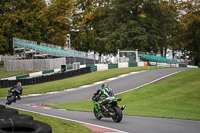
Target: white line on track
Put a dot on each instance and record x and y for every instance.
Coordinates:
(149, 82)
(70, 120)
(85, 86)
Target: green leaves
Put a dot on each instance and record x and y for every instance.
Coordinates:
(189, 30)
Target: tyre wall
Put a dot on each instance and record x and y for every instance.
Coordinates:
(45, 78)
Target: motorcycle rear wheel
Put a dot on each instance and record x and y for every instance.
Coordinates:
(117, 117)
(97, 115)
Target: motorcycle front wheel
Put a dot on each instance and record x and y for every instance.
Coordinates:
(10, 99)
(117, 114)
(97, 115)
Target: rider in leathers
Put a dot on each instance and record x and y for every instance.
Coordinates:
(103, 93)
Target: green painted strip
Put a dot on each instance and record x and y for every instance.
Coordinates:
(90, 65)
(182, 65)
(132, 64)
(70, 67)
(22, 76)
(93, 68)
(112, 66)
(47, 71)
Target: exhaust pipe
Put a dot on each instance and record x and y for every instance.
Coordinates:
(123, 107)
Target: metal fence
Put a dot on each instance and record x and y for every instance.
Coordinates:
(34, 64)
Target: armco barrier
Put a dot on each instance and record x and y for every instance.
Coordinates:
(46, 78)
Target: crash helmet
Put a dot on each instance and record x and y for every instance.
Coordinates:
(105, 85)
(19, 84)
(107, 90)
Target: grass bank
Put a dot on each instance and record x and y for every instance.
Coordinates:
(5, 74)
(75, 81)
(59, 125)
(177, 96)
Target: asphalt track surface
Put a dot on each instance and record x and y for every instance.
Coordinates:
(131, 124)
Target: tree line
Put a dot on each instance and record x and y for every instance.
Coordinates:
(104, 26)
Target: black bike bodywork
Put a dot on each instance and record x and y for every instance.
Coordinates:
(12, 96)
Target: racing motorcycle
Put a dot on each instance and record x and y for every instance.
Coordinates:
(12, 94)
(109, 109)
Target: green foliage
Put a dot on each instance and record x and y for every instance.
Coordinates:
(131, 24)
(21, 19)
(58, 15)
(189, 30)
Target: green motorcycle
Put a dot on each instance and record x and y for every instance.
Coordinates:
(109, 108)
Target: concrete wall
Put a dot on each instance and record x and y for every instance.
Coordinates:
(35, 64)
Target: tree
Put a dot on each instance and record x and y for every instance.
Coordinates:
(59, 16)
(87, 24)
(159, 24)
(190, 30)
(20, 19)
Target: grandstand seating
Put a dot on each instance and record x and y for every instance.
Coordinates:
(155, 58)
(51, 51)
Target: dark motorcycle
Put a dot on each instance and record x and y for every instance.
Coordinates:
(109, 109)
(12, 96)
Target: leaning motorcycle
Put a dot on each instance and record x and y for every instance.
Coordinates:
(108, 110)
(11, 96)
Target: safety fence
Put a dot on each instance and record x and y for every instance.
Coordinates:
(44, 78)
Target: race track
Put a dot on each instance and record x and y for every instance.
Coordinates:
(132, 124)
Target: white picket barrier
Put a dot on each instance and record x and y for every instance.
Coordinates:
(57, 70)
(140, 64)
(101, 67)
(174, 65)
(35, 74)
(163, 64)
(10, 78)
(190, 66)
(82, 66)
(122, 65)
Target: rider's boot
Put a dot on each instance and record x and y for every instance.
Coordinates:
(18, 97)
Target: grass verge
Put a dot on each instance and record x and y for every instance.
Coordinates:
(176, 97)
(5, 74)
(59, 125)
(75, 81)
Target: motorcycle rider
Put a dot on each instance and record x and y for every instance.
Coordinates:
(18, 88)
(103, 93)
